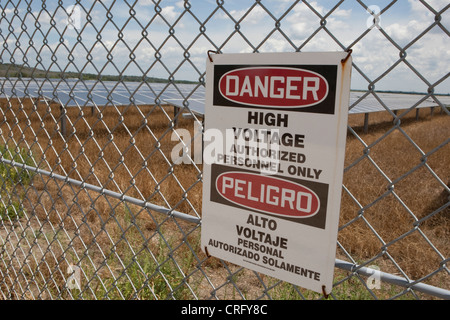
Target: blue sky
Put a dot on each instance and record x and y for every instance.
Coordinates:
(160, 54)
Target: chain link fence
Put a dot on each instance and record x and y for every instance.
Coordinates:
(100, 189)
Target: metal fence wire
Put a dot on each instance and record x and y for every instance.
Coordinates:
(100, 187)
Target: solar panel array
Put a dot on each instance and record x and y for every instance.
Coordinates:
(74, 92)
(88, 93)
(360, 102)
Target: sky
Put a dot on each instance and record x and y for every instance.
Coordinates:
(170, 38)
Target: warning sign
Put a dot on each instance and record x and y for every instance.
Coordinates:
(275, 129)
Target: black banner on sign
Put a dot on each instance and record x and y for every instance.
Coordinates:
(300, 88)
(295, 200)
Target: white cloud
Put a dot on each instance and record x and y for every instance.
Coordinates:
(373, 54)
(169, 13)
(255, 16)
(303, 22)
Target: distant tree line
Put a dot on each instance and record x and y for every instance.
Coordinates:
(18, 71)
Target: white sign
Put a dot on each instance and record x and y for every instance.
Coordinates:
(275, 130)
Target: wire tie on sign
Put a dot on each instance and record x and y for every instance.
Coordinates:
(349, 53)
(209, 54)
(324, 292)
(207, 253)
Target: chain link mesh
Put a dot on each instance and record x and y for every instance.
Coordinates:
(93, 204)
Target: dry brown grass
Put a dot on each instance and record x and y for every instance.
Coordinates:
(416, 192)
(128, 156)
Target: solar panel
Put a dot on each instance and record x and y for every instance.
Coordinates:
(359, 102)
(196, 106)
(75, 92)
(363, 103)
